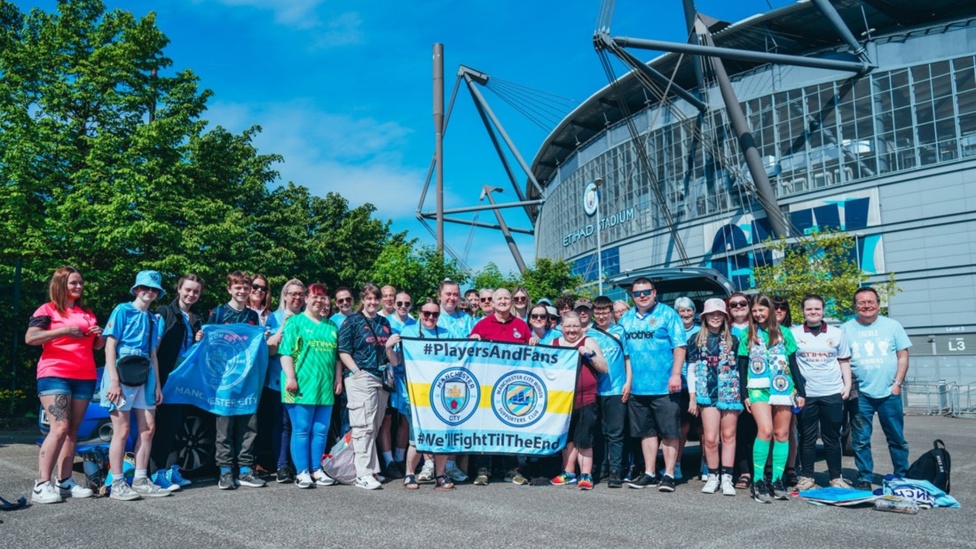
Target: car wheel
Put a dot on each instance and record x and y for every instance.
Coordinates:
(195, 445)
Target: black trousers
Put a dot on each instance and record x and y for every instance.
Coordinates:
(169, 420)
(821, 417)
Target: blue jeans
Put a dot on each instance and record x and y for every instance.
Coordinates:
(309, 434)
(891, 415)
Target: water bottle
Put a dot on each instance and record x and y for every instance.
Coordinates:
(895, 504)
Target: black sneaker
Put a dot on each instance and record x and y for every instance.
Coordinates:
(247, 478)
(284, 474)
(667, 484)
(613, 481)
(760, 491)
(864, 485)
(643, 481)
(226, 481)
(391, 471)
(779, 490)
(790, 479)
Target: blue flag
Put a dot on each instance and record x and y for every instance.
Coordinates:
(223, 373)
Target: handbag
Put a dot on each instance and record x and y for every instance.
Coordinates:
(388, 378)
(134, 370)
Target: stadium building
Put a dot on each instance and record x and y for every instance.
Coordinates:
(886, 153)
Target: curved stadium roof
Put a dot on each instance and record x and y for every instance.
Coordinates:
(799, 29)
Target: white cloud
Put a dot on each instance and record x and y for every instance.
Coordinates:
(332, 30)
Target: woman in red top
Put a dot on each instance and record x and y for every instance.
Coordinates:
(583, 423)
(67, 331)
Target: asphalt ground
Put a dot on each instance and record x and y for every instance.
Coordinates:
(499, 515)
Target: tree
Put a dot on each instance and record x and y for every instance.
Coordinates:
(550, 278)
(822, 263)
(490, 276)
(417, 272)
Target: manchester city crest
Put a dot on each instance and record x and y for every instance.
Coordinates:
(454, 395)
(519, 398)
(780, 383)
(226, 359)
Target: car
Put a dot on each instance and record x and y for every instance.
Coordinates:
(195, 441)
(697, 283)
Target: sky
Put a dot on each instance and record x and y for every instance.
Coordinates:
(343, 89)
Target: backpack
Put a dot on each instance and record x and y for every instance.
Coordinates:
(95, 463)
(933, 466)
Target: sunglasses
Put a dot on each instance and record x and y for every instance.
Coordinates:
(430, 314)
(738, 303)
(519, 299)
(538, 317)
(486, 300)
(295, 294)
(344, 300)
(259, 288)
(403, 303)
(643, 293)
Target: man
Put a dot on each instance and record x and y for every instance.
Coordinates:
(564, 304)
(471, 296)
(501, 326)
(394, 459)
(613, 387)
(879, 363)
(235, 435)
(485, 297)
(584, 308)
(458, 325)
(656, 345)
(343, 299)
(387, 300)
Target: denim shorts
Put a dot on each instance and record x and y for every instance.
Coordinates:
(79, 389)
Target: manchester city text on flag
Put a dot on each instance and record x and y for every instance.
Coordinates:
(223, 373)
(480, 396)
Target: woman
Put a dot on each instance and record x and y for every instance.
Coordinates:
(181, 325)
(259, 300)
(739, 307)
(362, 340)
(539, 324)
(768, 355)
(715, 391)
(783, 317)
(824, 358)
(67, 332)
(584, 420)
(520, 303)
(132, 338)
(309, 372)
(291, 303)
(427, 328)
(620, 307)
(685, 308)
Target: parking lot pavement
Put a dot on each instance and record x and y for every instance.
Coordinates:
(499, 515)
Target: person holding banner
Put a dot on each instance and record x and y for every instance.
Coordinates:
(67, 331)
(235, 435)
(310, 370)
(181, 325)
(456, 321)
(583, 422)
(362, 341)
(427, 328)
(132, 340)
(394, 457)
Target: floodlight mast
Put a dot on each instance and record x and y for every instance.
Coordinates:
(439, 142)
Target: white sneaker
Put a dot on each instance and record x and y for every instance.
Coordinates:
(711, 485)
(71, 489)
(145, 487)
(452, 473)
(728, 488)
(322, 479)
(304, 480)
(45, 492)
(368, 482)
(427, 472)
(122, 491)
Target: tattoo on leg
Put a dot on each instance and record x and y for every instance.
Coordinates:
(59, 410)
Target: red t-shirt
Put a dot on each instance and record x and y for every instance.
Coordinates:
(585, 379)
(66, 357)
(515, 330)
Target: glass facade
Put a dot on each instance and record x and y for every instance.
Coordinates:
(810, 138)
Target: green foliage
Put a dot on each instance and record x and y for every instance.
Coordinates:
(547, 278)
(819, 263)
(417, 272)
(106, 165)
(490, 276)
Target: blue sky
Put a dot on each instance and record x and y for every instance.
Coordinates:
(343, 89)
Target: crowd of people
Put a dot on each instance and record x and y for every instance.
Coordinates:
(759, 390)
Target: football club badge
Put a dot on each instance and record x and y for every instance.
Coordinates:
(780, 383)
(519, 399)
(454, 395)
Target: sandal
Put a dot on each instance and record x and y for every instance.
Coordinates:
(744, 482)
(410, 482)
(442, 482)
